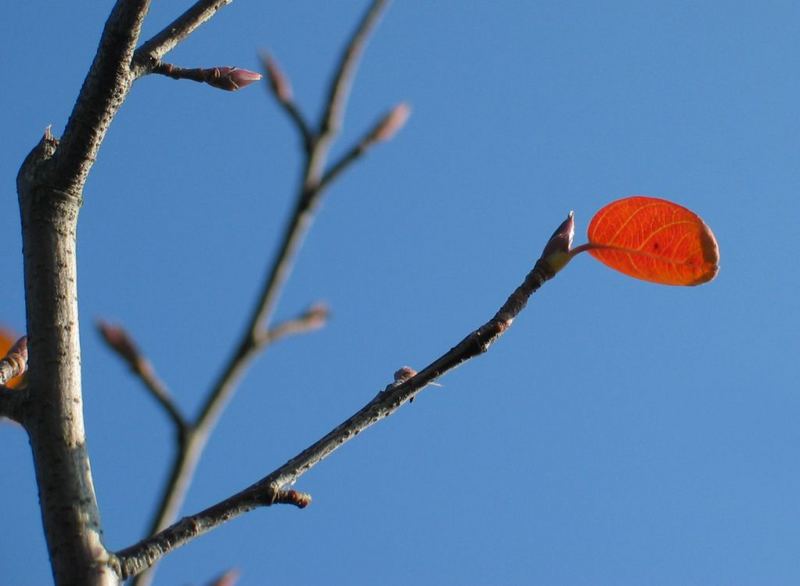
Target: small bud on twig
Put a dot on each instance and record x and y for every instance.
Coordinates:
(403, 374)
(230, 78)
(389, 125)
(278, 82)
(556, 251)
(293, 497)
(224, 78)
(15, 362)
(316, 315)
(121, 342)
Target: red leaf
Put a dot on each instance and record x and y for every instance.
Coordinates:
(654, 240)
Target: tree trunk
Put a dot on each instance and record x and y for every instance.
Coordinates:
(53, 414)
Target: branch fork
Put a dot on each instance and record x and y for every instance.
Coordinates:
(407, 384)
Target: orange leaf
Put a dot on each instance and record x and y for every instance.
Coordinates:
(654, 240)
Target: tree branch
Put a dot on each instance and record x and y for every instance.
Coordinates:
(316, 157)
(340, 84)
(282, 90)
(50, 188)
(144, 554)
(104, 89)
(257, 333)
(53, 414)
(312, 319)
(228, 578)
(383, 130)
(123, 345)
(269, 490)
(154, 50)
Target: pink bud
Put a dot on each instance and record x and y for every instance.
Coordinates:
(230, 78)
(119, 341)
(229, 578)
(278, 82)
(403, 374)
(317, 315)
(389, 125)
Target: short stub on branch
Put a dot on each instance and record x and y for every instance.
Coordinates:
(14, 362)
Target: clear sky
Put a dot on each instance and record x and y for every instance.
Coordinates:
(620, 433)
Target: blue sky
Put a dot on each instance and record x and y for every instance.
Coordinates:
(620, 433)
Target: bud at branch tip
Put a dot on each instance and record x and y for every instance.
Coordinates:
(230, 78)
(556, 252)
(278, 82)
(389, 125)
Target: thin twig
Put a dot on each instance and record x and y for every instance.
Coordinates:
(312, 319)
(282, 91)
(340, 84)
(160, 393)
(357, 151)
(121, 342)
(269, 489)
(294, 233)
(257, 332)
(383, 130)
(153, 50)
(316, 158)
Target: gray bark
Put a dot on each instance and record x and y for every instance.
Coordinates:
(53, 414)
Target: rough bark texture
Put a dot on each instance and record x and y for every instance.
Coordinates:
(53, 416)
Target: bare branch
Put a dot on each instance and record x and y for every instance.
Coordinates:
(104, 89)
(278, 82)
(133, 560)
(340, 84)
(269, 490)
(384, 130)
(196, 435)
(282, 90)
(123, 345)
(305, 205)
(15, 362)
(50, 188)
(154, 50)
(316, 157)
(313, 318)
(257, 332)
